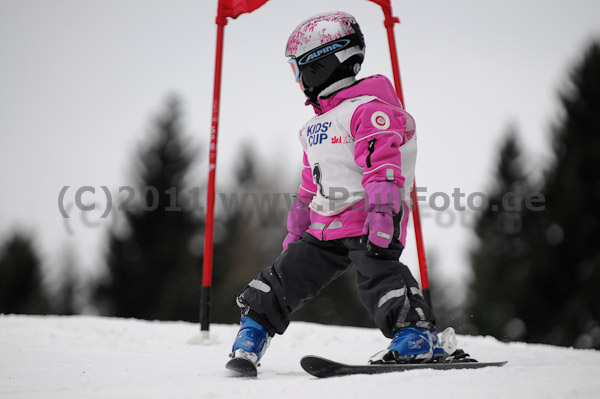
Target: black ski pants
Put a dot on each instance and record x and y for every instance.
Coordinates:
(387, 288)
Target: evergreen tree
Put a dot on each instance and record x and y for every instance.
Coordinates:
(233, 256)
(568, 268)
(152, 261)
(21, 289)
(446, 299)
(248, 232)
(499, 266)
(538, 280)
(67, 288)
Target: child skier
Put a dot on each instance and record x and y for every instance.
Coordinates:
(352, 205)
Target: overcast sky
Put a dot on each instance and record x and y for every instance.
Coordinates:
(80, 80)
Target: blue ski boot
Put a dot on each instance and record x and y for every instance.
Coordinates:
(416, 345)
(249, 346)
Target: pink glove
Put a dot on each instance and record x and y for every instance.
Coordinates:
(379, 226)
(383, 200)
(298, 219)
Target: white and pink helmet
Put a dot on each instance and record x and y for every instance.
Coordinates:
(321, 44)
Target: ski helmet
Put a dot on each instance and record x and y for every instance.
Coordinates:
(324, 49)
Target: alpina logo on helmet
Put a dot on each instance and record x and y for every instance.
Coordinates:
(323, 51)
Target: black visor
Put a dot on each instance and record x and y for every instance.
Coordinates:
(316, 73)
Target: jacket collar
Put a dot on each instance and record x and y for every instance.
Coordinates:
(377, 85)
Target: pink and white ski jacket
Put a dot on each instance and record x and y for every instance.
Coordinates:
(359, 135)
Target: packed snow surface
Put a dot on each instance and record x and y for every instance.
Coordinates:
(94, 357)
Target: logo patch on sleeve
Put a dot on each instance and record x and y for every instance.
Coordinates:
(380, 120)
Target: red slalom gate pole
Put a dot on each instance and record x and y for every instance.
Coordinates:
(389, 26)
(205, 296)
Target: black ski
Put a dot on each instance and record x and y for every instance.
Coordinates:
(243, 366)
(324, 368)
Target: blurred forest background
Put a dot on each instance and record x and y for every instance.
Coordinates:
(535, 265)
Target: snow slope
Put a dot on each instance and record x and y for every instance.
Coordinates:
(93, 357)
